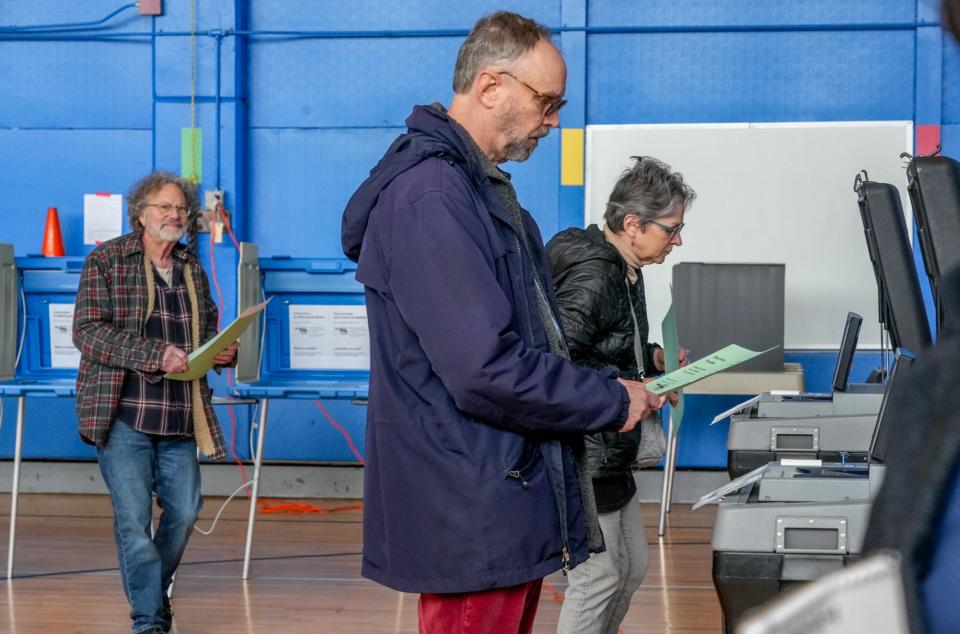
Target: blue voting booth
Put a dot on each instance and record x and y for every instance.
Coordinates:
(312, 342)
(38, 360)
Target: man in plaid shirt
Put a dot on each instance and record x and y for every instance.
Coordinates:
(143, 306)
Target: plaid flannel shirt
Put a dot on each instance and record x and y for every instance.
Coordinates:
(108, 329)
(163, 407)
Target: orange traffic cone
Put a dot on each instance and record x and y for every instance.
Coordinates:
(52, 240)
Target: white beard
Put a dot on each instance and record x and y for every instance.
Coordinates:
(167, 235)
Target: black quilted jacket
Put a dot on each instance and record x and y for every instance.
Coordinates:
(592, 295)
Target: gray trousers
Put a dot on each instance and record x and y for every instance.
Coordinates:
(600, 589)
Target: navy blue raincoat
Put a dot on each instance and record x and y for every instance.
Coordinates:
(466, 487)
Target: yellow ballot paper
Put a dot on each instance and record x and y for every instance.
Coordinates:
(719, 361)
(201, 360)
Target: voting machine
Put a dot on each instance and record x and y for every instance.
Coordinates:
(792, 521)
(838, 425)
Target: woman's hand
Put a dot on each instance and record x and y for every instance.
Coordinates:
(659, 361)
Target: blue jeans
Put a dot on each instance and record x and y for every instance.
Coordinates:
(135, 466)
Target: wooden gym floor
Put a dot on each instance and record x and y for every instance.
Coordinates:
(304, 576)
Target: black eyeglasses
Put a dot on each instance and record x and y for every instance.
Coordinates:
(168, 207)
(549, 104)
(673, 232)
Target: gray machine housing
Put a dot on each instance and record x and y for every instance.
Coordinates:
(747, 523)
(860, 398)
(832, 427)
(766, 540)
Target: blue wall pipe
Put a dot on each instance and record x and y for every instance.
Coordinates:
(431, 33)
(153, 94)
(68, 26)
(241, 133)
(734, 28)
(217, 113)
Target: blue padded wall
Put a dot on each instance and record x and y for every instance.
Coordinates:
(303, 116)
(748, 13)
(751, 76)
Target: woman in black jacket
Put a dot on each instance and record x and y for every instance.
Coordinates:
(603, 312)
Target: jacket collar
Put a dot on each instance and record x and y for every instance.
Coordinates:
(484, 170)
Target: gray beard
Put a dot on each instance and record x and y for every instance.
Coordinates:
(166, 235)
(518, 151)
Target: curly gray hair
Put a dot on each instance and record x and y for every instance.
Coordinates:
(151, 183)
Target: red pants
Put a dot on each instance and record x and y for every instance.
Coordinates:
(498, 611)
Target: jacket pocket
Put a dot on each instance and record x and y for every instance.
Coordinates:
(525, 464)
(444, 433)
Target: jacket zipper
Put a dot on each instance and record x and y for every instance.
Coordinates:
(516, 475)
(523, 273)
(564, 551)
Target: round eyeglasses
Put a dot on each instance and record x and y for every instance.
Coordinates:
(168, 207)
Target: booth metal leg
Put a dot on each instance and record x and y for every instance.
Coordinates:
(255, 493)
(667, 483)
(672, 456)
(15, 486)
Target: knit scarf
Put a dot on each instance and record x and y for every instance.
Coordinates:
(201, 427)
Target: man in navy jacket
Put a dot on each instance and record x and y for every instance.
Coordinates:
(471, 493)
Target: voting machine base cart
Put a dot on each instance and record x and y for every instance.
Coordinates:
(795, 524)
(314, 341)
(788, 523)
(746, 580)
(37, 296)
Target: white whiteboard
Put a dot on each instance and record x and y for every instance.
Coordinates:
(769, 193)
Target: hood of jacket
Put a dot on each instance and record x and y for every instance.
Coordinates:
(430, 133)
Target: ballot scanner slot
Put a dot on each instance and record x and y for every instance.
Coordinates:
(794, 439)
(811, 535)
(807, 539)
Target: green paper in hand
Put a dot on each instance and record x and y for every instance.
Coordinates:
(671, 358)
(201, 360)
(709, 365)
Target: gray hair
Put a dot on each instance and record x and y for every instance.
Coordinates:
(498, 37)
(150, 184)
(649, 190)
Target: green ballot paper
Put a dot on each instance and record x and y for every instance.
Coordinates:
(200, 360)
(671, 356)
(719, 361)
